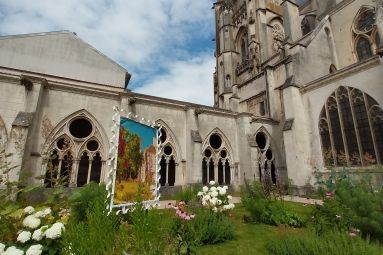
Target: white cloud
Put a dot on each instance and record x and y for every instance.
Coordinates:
(190, 81)
(144, 36)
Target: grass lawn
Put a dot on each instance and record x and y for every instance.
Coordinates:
(252, 238)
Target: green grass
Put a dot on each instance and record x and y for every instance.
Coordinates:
(252, 238)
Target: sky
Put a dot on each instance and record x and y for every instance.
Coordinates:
(165, 44)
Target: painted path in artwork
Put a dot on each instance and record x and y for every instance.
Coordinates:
(236, 200)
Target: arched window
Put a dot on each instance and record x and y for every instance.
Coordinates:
(243, 50)
(228, 81)
(76, 134)
(363, 49)
(266, 167)
(216, 161)
(365, 33)
(168, 162)
(350, 127)
(308, 24)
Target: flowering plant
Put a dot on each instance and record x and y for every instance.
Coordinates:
(215, 198)
(181, 212)
(39, 233)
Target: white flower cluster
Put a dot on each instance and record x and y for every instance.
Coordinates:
(55, 231)
(215, 198)
(32, 221)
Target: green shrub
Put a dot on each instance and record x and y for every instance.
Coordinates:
(97, 233)
(187, 194)
(212, 227)
(331, 244)
(266, 209)
(84, 198)
(351, 204)
(148, 231)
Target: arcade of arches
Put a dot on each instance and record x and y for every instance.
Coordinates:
(75, 157)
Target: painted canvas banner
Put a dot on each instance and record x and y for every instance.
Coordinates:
(135, 168)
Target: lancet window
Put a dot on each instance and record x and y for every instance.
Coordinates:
(351, 129)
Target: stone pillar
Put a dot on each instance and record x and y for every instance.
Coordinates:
(73, 176)
(167, 173)
(291, 21)
(216, 172)
(89, 170)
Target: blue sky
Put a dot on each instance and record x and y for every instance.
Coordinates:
(146, 133)
(165, 44)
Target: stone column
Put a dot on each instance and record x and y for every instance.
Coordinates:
(89, 170)
(224, 174)
(216, 172)
(167, 173)
(74, 171)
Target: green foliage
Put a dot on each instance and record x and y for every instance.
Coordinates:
(333, 243)
(84, 198)
(187, 194)
(212, 227)
(352, 205)
(263, 208)
(148, 231)
(97, 233)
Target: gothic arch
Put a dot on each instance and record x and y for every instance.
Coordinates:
(217, 158)
(351, 128)
(170, 155)
(267, 157)
(364, 33)
(76, 149)
(241, 43)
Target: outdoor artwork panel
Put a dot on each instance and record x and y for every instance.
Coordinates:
(136, 162)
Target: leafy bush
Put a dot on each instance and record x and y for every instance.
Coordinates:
(84, 198)
(187, 194)
(263, 208)
(350, 204)
(97, 232)
(148, 231)
(333, 243)
(212, 227)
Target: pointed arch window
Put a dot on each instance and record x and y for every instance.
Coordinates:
(78, 134)
(363, 49)
(365, 33)
(216, 161)
(350, 128)
(168, 162)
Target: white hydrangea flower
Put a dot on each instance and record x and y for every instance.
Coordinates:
(24, 236)
(231, 206)
(47, 211)
(219, 202)
(13, 251)
(31, 222)
(215, 209)
(38, 214)
(229, 197)
(225, 187)
(212, 182)
(29, 210)
(213, 201)
(226, 207)
(222, 191)
(55, 231)
(214, 193)
(200, 194)
(2, 247)
(213, 189)
(36, 249)
(38, 234)
(205, 189)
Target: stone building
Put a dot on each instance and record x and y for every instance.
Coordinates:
(297, 88)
